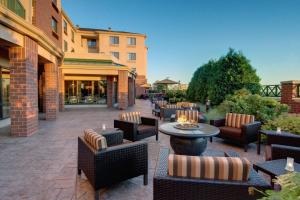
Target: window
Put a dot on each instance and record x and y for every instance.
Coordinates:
(65, 46)
(115, 54)
(298, 90)
(54, 25)
(114, 40)
(73, 36)
(65, 27)
(54, 2)
(131, 56)
(92, 43)
(131, 41)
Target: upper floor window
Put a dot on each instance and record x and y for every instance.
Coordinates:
(54, 25)
(114, 40)
(115, 54)
(65, 46)
(65, 27)
(298, 90)
(131, 56)
(54, 2)
(92, 43)
(73, 36)
(131, 41)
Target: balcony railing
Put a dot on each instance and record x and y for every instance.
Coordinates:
(15, 6)
(271, 91)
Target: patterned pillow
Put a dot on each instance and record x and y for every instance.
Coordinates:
(174, 106)
(191, 115)
(134, 117)
(97, 141)
(206, 167)
(237, 120)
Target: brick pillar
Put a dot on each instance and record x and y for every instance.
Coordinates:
(131, 95)
(289, 95)
(24, 88)
(123, 89)
(110, 82)
(61, 81)
(51, 91)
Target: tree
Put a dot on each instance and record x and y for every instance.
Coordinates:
(219, 78)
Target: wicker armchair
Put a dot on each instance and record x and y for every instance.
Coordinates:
(281, 146)
(244, 135)
(116, 163)
(134, 132)
(169, 188)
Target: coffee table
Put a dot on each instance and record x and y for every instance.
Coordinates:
(189, 142)
(274, 168)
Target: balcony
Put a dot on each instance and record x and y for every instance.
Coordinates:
(15, 6)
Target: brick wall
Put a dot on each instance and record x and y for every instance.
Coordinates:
(43, 11)
(289, 95)
(131, 91)
(24, 88)
(110, 83)
(123, 89)
(51, 91)
(140, 80)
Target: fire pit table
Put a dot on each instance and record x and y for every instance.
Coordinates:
(188, 140)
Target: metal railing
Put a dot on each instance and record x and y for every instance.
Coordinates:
(15, 6)
(271, 90)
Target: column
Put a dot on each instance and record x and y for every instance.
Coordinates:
(123, 89)
(110, 82)
(51, 91)
(131, 96)
(61, 82)
(24, 88)
(289, 95)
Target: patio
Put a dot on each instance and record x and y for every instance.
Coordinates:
(44, 166)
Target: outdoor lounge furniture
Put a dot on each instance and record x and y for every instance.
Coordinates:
(282, 145)
(188, 105)
(118, 162)
(191, 115)
(166, 187)
(167, 111)
(136, 127)
(238, 128)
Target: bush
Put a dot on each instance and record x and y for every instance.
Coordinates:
(176, 95)
(286, 123)
(264, 109)
(218, 78)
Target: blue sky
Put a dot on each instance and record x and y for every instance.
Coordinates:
(184, 34)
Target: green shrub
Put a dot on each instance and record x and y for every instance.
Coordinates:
(286, 123)
(218, 78)
(176, 95)
(242, 101)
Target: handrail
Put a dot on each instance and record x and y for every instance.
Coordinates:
(271, 90)
(15, 6)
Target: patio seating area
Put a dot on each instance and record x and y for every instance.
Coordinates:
(44, 166)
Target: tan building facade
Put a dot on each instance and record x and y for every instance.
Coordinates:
(46, 63)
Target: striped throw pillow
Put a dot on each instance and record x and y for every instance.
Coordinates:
(134, 117)
(205, 167)
(237, 120)
(97, 141)
(162, 103)
(191, 115)
(174, 106)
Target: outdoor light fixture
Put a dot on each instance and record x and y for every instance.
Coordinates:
(278, 130)
(289, 164)
(103, 127)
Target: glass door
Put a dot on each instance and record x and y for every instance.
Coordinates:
(4, 96)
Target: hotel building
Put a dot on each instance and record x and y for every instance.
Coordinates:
(47, 63)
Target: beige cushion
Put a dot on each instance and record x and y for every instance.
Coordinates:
(205, 167)
(97, 141)
(237, 120)
(191, 115)
(186, 104)
(173, 106)
(134, 117)
(230, 131)
(161, 103)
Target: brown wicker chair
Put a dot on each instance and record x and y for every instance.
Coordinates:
(169, 188)
(281, 146)
(120, 161)
(244, 135)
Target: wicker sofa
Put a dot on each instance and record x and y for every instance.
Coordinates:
(166, 187)
(118, 162)
(134, 131)
(243, 134)
(280, 146)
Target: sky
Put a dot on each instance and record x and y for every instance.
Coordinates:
(184, 34)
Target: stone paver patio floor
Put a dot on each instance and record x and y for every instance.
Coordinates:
(44, 166)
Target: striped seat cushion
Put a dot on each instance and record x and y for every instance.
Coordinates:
(134, 117)
(186, 104)
(97, 141)
(191, 115)
(174, 106)
(205, 167)
(237, 120)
